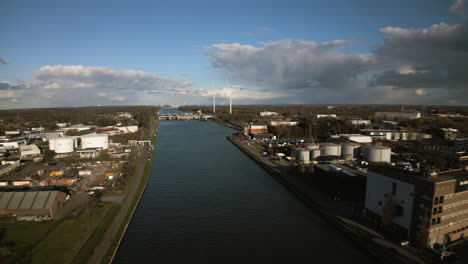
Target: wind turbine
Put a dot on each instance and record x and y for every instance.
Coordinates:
(230, 94)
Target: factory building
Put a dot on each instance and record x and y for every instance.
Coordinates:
(450, 133)
(427, 208)
(255, 129)
(268, 113)
(29, 151)
(10, 144)
(8, 166)
(359, 122)
(356, 138)
(398, 115)
(127, 129)
(342, 181)
(394, 135)
(326, 116)
(25, 205)
(283, 123)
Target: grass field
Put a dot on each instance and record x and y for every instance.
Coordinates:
(64, 243)
(16, 239)
(96, 236)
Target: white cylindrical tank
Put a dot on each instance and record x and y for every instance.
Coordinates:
(315, 153)
(312, 146)
(51, 144)
(63, 145)
(331, 149)
(377, 153)
(350, 149)
(302, 155)
(95, 141)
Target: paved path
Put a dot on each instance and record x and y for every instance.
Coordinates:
(112, 230)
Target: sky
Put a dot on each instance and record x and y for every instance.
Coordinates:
(82, 53)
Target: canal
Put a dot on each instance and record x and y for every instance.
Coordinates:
(207, 202)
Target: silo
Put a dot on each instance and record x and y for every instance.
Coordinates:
(51, 144)
(95, 141)
(312, 146)
(302, 155)
(350, 149)
(63, 145)
(331, 149)
(377, 153)
(315, 153)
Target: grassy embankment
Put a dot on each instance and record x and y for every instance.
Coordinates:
(57, 241)
(136, 200)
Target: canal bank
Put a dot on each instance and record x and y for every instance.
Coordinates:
(208, 202)
(105, 251)
(374, 245)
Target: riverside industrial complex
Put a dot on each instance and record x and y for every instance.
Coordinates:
(397, 186)
(406, 184)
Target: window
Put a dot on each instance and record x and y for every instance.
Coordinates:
(438, 220)
(380, 203)
(394, 188)
(433, 221)
(434, 210)
(436, 200)
(439, 210)
(441, 199)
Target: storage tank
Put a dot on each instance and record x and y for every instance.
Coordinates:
(51, 144)
(377, 153)
(331, 149)
(302, 155)
(63, 145)
(350, 149)
(315, 153)
(312, 146)
(95, 141)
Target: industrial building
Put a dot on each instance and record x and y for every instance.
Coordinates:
(394, 135)
(44, 204)
(356, 138)
(255, 129)
(450, 133)
(268, 113)
(8, 166)
(398, 115)
(425, 208)
(326, 116)
(359, 122)
(342, 181)
(283, 123)
(29, 151)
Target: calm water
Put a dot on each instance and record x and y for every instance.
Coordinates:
(207, 202)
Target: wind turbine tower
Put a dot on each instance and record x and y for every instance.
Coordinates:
(230, 103)
(214, 103)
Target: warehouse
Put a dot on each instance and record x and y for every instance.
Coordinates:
(31, 204)
(29, 151)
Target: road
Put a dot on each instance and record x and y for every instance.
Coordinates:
(114, 227)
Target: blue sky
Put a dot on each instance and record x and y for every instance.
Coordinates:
(171, 38)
